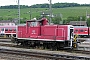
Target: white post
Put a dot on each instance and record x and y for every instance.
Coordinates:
(19, 11)
(50, 8)
(71, 40)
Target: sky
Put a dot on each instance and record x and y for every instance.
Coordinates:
(31, 2)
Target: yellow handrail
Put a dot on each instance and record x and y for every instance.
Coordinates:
(75, 40)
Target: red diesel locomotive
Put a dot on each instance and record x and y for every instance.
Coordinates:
(40, 33)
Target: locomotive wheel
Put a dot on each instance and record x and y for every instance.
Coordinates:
(23, 43)
(45, 45)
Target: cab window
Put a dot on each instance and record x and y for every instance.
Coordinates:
(6, 29)
(2, 29)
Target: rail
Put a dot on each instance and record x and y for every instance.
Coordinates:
(49, 55)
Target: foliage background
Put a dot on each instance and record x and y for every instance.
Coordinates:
(63, 12)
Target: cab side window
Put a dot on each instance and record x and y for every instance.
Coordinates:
(2, 29)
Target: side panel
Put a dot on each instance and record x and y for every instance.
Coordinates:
(62, 32)
(48, 30)
(21, 32)
(47, 33)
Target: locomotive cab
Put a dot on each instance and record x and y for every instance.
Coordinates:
(34, 23)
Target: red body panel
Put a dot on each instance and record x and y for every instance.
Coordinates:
(49, 30)
(62, 32)
(53, 32)
(22, 31)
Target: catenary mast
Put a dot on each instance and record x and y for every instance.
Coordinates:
(18, 11)
(50, 9)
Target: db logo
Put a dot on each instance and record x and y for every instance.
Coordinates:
(33, 32)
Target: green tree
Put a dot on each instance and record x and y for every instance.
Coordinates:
(1, 18)
(56, 20)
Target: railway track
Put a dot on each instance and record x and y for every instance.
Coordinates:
(5, 37)
(78, 51)
(7, 43)
(15, 45)
(34, 54)
(5, 40)
(44, 54)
